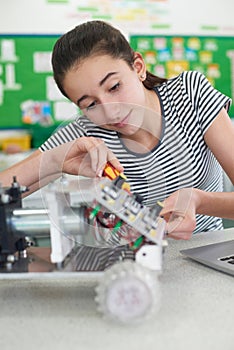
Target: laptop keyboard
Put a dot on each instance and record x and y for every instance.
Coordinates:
(229, 259)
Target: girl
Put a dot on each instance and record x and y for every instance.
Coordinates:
(171, 137)
(167, 134)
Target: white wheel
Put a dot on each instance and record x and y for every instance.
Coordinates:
(128, 292)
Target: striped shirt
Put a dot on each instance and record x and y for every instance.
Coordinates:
(189, 105)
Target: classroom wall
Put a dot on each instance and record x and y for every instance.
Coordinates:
(198, 17)
(28, 30)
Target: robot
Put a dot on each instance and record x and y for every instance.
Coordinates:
(103, 215)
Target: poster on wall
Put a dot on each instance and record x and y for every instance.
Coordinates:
(168, 56)
(131, 16)
(126, 14)
(28, 93)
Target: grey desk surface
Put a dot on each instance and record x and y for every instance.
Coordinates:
(196, 310)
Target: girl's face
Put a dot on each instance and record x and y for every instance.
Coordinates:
(109, 92)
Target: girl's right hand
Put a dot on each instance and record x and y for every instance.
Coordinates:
(86, 156)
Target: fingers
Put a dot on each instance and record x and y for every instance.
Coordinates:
(114, 161)
(180, 213)
(99, 154)
(178, 229)
(179, 225)
(170, 215)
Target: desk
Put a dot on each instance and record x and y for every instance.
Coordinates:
(196, 312)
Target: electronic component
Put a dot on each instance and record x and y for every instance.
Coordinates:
(98, 213)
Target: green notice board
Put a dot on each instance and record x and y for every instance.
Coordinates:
(167, 56)
(24, 70)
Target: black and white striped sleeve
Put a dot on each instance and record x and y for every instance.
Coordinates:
(207, 101)
(66, 134)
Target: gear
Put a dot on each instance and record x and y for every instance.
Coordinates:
(128, 292)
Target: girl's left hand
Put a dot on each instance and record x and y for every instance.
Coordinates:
(179, 211)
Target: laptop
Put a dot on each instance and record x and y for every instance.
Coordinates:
(219, 256)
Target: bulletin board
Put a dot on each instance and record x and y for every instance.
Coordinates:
(167, 56)
(25, 73)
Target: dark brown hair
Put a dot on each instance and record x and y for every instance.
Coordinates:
(93, 38)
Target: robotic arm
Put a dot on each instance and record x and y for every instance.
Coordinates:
(90, 212)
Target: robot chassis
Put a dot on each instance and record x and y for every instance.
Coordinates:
(100, 213)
